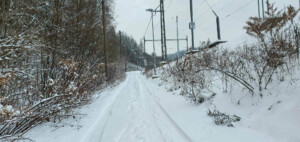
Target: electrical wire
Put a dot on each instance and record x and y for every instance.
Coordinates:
(226, 5)
(152, 19)
(232, 13)
(169, 5)
(239, 9)
(148, 26)
(210, 8)
(158, 6)
(208, 5)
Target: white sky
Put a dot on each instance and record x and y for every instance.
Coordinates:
(132, 18)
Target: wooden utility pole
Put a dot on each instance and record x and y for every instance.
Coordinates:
(268, 6)
(187, 44)
(120, 43)
(177, 37)
(3, 6)
(144, 45)
(2, 24)
(125, 55)
(104, 37)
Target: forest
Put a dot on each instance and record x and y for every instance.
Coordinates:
(52, 58)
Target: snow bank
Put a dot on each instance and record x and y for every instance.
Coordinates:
(83, 126)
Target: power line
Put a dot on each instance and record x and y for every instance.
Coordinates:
(158, 6)
(210, 8)
(247, 4)
(228, 15)
(226, 5)
(147, 27)
(169, 5)
(155, 14)
(208, 5)
(149, 24)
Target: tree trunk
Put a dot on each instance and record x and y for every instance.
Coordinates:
(2, 24)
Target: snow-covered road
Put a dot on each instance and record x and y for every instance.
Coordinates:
(136, 115)
(143, 110)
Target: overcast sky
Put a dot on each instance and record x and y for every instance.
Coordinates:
(132, 18)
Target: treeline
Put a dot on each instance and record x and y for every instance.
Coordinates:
(52, 59)
(135, 52)
(272, 57)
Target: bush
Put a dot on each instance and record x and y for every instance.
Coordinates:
(222, 118)
(253, 66)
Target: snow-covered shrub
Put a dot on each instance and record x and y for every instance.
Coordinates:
(253, 66)
(277, 43)
(190, 78)
(222, 118)
(148, 72)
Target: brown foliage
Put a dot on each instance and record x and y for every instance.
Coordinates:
(4, 79)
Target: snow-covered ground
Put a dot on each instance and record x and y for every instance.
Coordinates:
(142, 110)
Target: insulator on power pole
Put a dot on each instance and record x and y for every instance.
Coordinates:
(218, 28)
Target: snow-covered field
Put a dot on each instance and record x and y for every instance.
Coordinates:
(142, 110)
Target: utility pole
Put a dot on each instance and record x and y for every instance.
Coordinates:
(163, 31)
(104, 37)
(120, 43)
(154, 54)
(187, 44)
(192, 24)
(177, 37)
(258, 9)
(137, 66)
(263, 9)
(144, 45)
(268, 6)
(125, 55)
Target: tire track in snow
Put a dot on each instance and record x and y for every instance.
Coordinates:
(171, 120)
(94, 130)
(140, 121)
(153, 112)
(110, 112)
(147, 120)
(132, 123)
